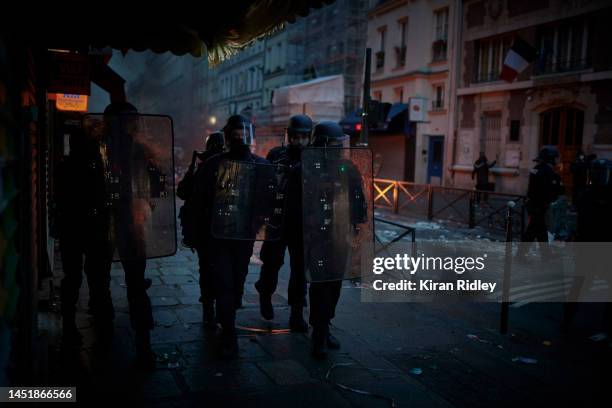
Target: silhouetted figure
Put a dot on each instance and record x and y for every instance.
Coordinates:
(329, 232)
(214, 146)
(229, 258)
(594, 225)
(131, 161)
(83, 229)
(544, 188)
(273, 252)
(579, 170)
(481, 171)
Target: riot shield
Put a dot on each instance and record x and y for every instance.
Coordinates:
(137, 152)
(248, 204)
(337, 211)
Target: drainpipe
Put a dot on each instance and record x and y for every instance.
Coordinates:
(456, 79)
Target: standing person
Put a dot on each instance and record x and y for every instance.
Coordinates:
(481, 171)
(544, 188)
(229, 257)
(131, 161)
(594, 225)
(83, 227)
(339, 208)
(214, 146)
(273, 252)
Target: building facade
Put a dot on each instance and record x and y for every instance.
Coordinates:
(561, 99)
(411, 65)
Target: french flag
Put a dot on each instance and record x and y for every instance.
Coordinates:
(520, 55)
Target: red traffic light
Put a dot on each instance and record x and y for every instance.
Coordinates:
(358, 127)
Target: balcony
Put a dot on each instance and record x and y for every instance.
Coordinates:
(481, 77)
(557, 66)
(380, 60)
(437, 105)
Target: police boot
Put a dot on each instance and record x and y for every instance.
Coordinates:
(319, 340)
(145, 358)
(297, 323)
(265, 306)
(208, 315)
(332, 342)
(228, 348)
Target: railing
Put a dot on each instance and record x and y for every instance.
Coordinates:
(464, 206)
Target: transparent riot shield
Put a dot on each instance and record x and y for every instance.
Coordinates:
(248, 204)
(137, 152)
(337, 211)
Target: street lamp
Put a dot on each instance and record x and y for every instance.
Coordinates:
(212, 120)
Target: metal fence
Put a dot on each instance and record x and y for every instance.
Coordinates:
(464, 206)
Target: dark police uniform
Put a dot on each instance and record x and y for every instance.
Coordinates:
(544, 188)
(273, 252)
(594, 224)
(83, 229)
(184, 191)
(229, 259)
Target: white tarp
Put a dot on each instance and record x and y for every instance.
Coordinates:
(321, 98)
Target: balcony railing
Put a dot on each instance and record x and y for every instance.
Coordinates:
(437, 105)
(567, 65)
(491, 76)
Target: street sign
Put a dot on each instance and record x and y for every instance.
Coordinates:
(69, 74)
(71, 102)
(417, 109)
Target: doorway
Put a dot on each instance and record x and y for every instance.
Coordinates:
(435, 159)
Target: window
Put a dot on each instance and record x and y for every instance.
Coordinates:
(491, 134)
(562, 127)
(439, 45)
(438, 100)
(399, 94)
(515, 131)
(562, 47)
(380, 55)
(490, 58)
(400, 51)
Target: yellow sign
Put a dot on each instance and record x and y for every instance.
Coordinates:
(71, 102)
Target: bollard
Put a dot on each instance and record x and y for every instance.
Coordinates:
(396, 197)
(472, 210)
(429, 202)
(505, 306)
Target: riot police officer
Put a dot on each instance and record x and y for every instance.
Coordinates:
(594, 225)
(214, 145)
(328, 245)
(544, 188)
(83, 227)
(130, 211)
(229, 258)
(273, 252)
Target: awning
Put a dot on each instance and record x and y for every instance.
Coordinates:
(396, 109)
(220, 31)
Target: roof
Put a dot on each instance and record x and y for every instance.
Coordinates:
(226, 29)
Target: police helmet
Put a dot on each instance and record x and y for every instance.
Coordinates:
(328, 134)
(215, 141)
(548, 154)
(240, 123)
